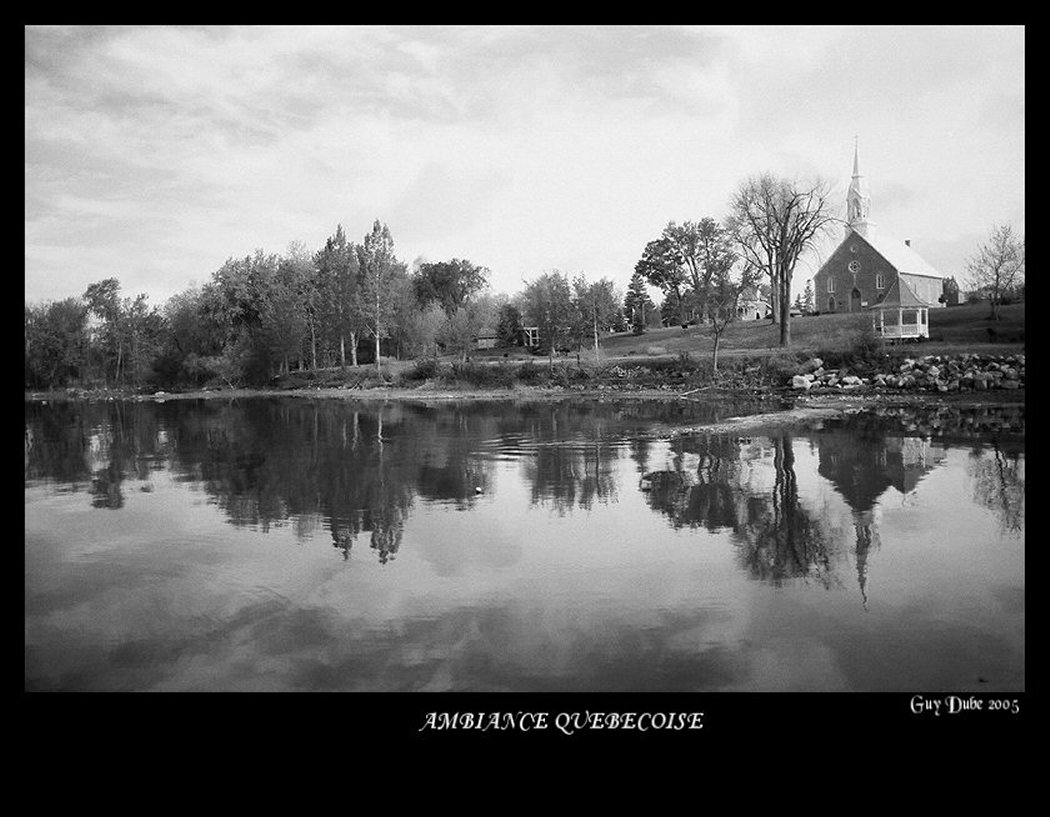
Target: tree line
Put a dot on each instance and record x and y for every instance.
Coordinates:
(264, 315)
(350, 303)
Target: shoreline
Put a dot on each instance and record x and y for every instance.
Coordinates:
(544, 394)
(794, 410)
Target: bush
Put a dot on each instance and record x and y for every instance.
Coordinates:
(580, 375)
(859, 349)
(425, 368)
(777, 368)
(529, 373)
(502, 375)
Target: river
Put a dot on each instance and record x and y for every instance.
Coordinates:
(295, 544)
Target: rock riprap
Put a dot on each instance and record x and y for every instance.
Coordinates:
(941, 373)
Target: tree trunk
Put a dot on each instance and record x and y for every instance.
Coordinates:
(595, 338)
(378, 328)
(714, 356)
(774, 297)
(342, 352)
(353, 349)
(785, 310)
(313, 346)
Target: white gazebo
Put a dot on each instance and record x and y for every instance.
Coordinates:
(901, 314)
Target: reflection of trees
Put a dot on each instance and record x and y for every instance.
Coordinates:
(707, 497)
(780, 539)
(58, 440)
(998, 483)
(357, 469)
(948, 424)
(777, 538)
(570, 475)
(269, 461)
(106, 443)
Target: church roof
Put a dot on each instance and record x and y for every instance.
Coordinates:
(902, 257)
(900, 295)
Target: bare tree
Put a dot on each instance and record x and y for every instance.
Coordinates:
(998, 265)
(774, 221)
(721, 298)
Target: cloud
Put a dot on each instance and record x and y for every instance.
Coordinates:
(523, 148)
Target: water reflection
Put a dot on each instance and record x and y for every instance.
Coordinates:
(351, 470)
(715, 484)
(503, 546)
(750, 486)
(358, 471)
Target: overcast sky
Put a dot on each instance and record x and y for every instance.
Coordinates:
(154, 154)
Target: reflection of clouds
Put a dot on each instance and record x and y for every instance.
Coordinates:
(896, 649)
(165, 594)
(461, 544)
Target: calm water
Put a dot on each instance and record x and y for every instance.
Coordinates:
(286, 544)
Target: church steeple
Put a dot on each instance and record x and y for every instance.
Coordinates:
(858, 201)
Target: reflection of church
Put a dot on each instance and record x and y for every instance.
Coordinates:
(862, 468)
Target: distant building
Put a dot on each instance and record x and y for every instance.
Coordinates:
(487, 339)
(753, 304)
(868, 264)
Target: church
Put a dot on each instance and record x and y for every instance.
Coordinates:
(867, 266)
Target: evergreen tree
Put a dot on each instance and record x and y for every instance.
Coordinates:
(638, 306)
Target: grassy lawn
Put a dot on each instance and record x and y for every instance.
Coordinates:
(955, 329)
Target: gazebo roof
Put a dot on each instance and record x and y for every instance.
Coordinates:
(899, 296)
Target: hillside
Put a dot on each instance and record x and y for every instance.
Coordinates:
(956, 329)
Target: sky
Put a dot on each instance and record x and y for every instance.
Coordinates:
(153, 154)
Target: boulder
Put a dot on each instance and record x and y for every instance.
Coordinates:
(814, 364)
(801, 381)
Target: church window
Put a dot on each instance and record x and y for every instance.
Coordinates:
(852, 247)
(831, 284)
(880, 282)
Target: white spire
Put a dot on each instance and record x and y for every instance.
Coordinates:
(858, 201)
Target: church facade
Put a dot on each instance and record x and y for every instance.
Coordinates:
(864, 267)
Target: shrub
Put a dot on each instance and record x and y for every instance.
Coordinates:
(776, 368)
(529, 373)
(425, 368)
(501, 375)
(580, 375)
(559, 377)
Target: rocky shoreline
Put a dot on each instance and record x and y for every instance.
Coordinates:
(932, 373)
